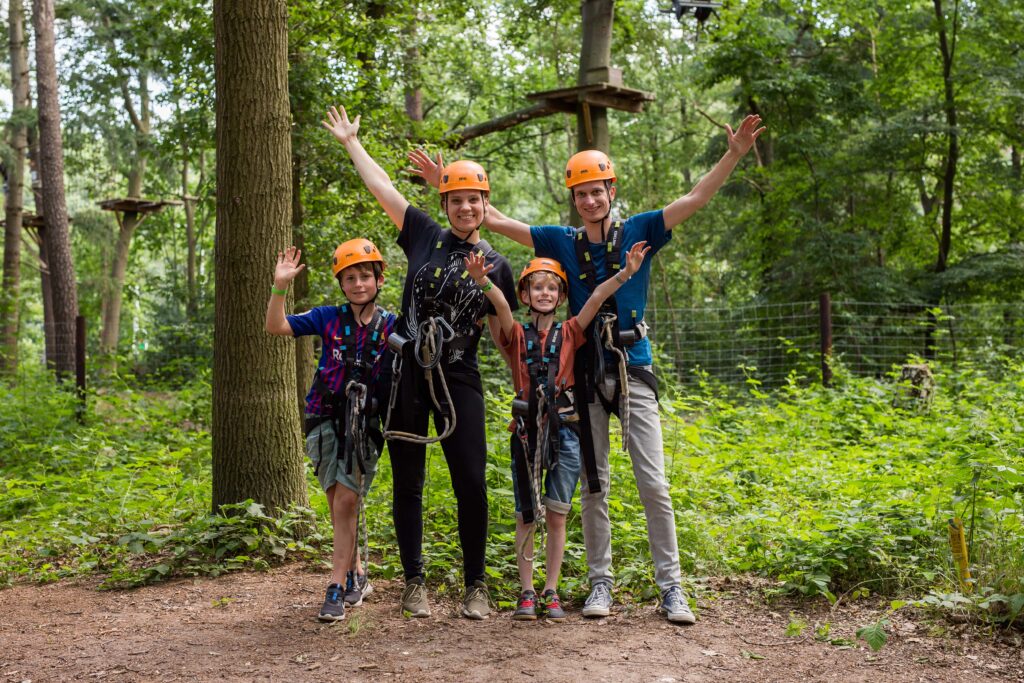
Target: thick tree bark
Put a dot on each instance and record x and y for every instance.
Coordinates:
(257, 447)
(15, 189)
(54, 209)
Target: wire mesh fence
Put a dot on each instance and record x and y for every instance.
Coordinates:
(768, 341)
(730, 344)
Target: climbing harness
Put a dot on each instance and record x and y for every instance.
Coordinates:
(539, 413)
(434, 337)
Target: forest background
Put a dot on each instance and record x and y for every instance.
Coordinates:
(891, 172)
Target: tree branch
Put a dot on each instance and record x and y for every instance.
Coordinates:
(502, 122)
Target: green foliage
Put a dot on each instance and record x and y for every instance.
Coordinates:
(834, 493)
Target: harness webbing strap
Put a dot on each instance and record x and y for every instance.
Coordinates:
(542, 362)
(590, 364)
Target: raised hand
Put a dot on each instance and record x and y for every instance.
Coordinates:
(339, 125)
(288, 267)
(635, 257)
(743, 139)
(478, 267)
(425, 167)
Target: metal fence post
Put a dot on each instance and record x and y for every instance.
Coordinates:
(825, 320)
(80, 363)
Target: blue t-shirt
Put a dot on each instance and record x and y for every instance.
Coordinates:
(325, 322)
(558, 242)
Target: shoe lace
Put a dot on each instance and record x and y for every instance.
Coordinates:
(349, 583)
(414, 592)
(333, 592)
(673, 598)
(476, 593)
(599, 594)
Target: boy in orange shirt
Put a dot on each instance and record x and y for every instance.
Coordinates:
(542, 354)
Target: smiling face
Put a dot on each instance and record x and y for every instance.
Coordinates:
(593, 200)
(360, 283)
(465, 209)
(542, 292)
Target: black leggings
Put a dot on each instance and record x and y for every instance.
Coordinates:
(465, 451)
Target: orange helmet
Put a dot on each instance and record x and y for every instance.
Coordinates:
(463, 175)
(591, 164)
(359, 250)
(546, 265)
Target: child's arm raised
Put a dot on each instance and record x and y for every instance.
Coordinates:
(430, 170)
(288, 267)
(374, 177)
(740, 143)
(634, 259)
(478, 269)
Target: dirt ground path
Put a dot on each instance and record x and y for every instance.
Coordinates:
(260, 627)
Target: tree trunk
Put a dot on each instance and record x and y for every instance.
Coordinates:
(188, 202)
(948, 51)
(55, 211)
(127, 224)
(410, 65)
(15, 189)
(44, 269)
(257, 446)
(595, 59)
(111, 332)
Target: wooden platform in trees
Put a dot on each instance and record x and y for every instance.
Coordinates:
(606, 95)
(137, 205)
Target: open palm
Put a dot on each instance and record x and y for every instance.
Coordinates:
(743, 139)
(337, 122)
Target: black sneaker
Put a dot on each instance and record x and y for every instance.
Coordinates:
(334, 604)
(357, 587)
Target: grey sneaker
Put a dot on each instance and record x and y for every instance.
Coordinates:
(414, 599)
(552, 606)
(334, 606)
(675, 606)
(526, 608)
(599, 602)
(357, 587)
(476, 604)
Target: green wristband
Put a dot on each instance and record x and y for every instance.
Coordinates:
(487, 286)
(279, 292)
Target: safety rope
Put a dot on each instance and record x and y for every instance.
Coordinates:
(356, 395)
(535, 471)
(432, 334)
(607, 337)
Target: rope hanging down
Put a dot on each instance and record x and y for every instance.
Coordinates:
(432, 335)
(608, 322)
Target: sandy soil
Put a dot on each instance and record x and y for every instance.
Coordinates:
(261, 627)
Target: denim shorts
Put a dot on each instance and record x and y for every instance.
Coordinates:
(560, 482)
(322, 447)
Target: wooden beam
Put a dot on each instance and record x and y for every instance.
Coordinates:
(500, 123)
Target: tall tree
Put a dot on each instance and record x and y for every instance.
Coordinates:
(15, 187)
(51, 170)
(257, 450)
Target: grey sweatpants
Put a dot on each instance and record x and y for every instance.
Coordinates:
(647, 454)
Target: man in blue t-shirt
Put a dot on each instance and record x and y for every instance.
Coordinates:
(584, 252)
